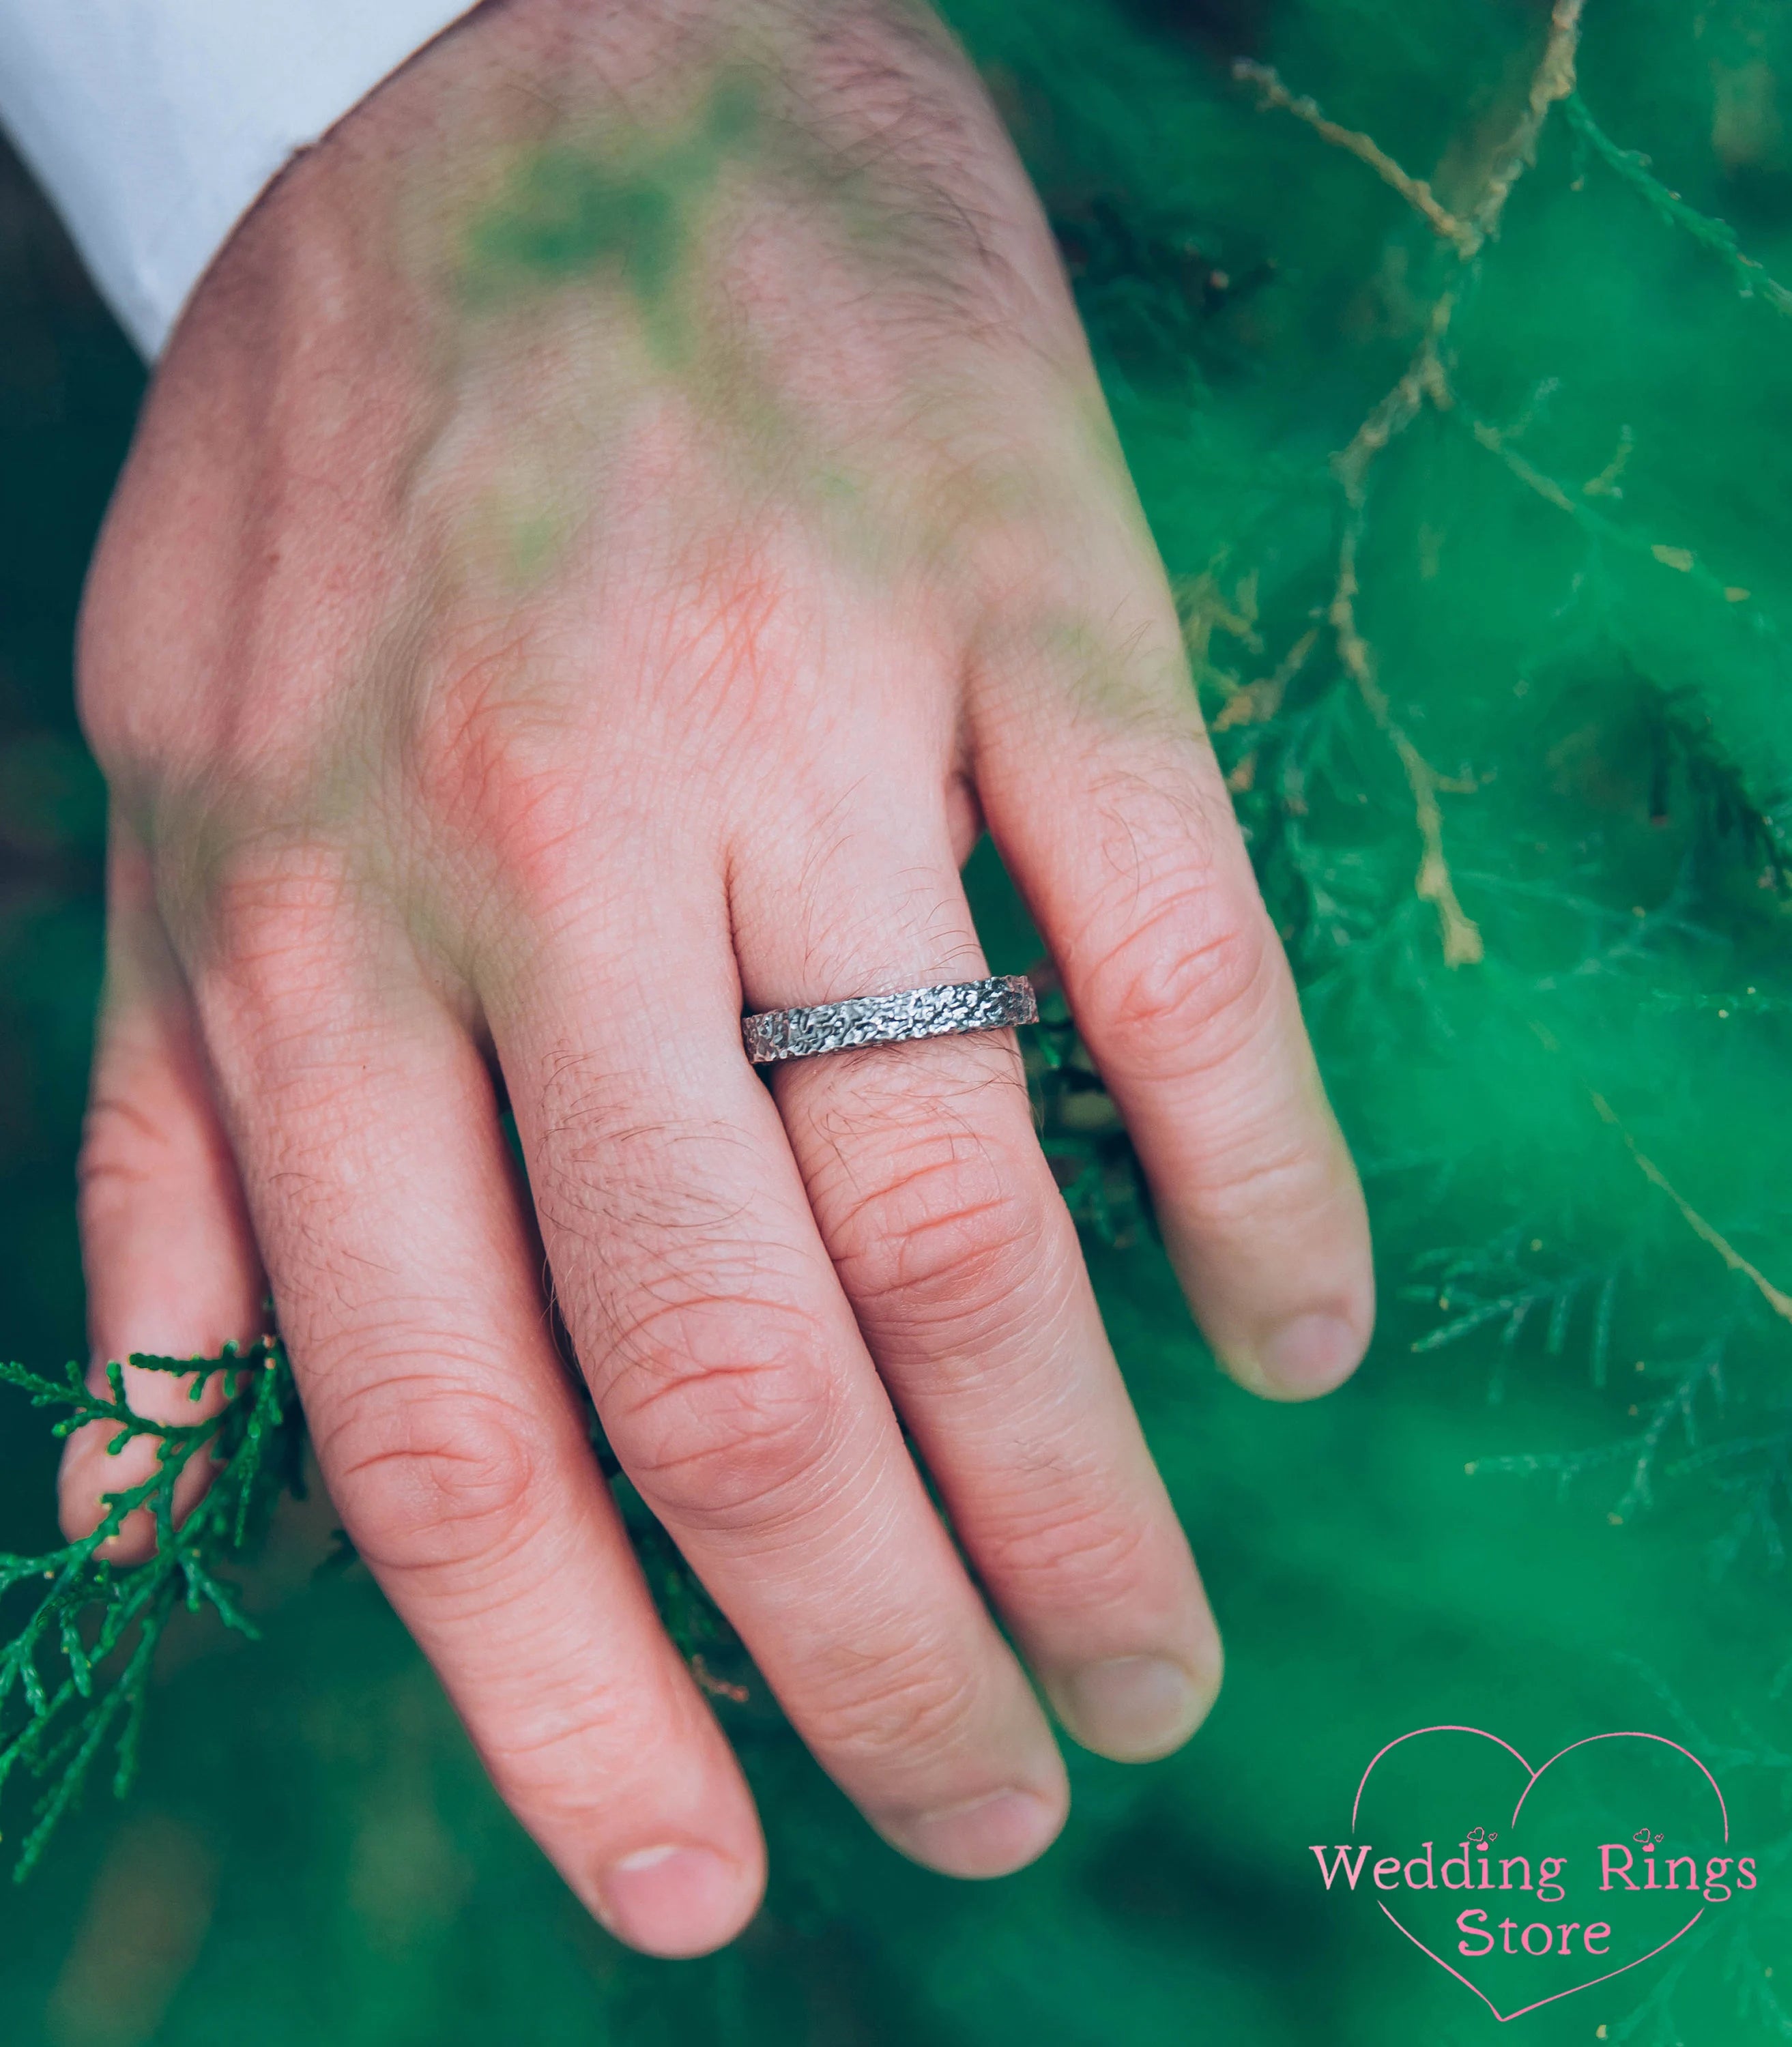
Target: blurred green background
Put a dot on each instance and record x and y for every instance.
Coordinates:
(1554, 1501)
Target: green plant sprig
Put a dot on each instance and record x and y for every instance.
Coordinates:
(75, 1669)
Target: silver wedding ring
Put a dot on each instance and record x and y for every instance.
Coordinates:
(890, 1019)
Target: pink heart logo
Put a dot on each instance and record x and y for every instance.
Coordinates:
(1562, 1834)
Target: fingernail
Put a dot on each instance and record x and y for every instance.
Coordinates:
(987, 1836)
(1131, 1708)
(671, 1900)
(1309, 1355)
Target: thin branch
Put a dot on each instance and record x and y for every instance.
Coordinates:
(1753, 279)
(1424, 377)
(1465, 238)
(1780, 1303)
(1552, 80)
(1257, 702)
(1680, 561)
(1461, 935)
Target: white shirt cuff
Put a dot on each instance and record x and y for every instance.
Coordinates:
(154, 124)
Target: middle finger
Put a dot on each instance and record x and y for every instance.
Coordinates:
(735, 1387)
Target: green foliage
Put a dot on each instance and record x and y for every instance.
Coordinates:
(1459, 479)
(75, 1673)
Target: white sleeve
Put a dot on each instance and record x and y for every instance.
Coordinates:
(154, 124)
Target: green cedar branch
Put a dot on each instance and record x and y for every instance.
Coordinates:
(1753, 279)
(75, 1662)
(1461, 234)
(1425, 379)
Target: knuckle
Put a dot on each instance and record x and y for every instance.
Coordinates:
(914, 1706)
(721, 1407)
(124, 1150)
(1059, 1547)
(577, 1739)
(560, 1750)
(267, 915)
(288, 960)
(495, 756)
(1190, 980)
(650, 1194)
(126, 726)
(941, 1230)
(1253, 1178)
(432, 1476)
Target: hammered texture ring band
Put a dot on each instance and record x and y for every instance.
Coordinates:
(890, 1019)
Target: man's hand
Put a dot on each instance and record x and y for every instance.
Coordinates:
(616, 521)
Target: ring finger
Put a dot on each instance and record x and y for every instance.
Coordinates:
(961, 1263)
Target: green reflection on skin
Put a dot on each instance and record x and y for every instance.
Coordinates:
(573, 211)
(610, 250)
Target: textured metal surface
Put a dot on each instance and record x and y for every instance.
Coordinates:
(890, 1019)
